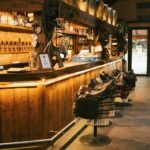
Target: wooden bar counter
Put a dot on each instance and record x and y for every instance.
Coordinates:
(30, 109)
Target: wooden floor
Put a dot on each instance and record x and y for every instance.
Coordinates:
(129, 131)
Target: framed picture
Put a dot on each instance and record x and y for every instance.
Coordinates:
(45, 61)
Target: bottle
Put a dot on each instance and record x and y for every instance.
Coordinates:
(2, 46)
(22, 46)
(13, 46)
(9, 46)
(6, 47)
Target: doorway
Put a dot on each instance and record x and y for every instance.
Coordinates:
(138, 51)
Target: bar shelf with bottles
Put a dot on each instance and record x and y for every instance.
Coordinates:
(16, 21)
(75, 36)
(12, 47)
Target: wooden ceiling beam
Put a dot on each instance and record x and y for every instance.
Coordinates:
(21, 5)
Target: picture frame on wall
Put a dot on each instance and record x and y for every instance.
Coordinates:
(45, 61)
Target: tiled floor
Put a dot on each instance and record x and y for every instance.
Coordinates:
(130, 131)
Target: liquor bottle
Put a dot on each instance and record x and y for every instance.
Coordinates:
(13, 46)
(22, 46)
(9, 46)
(6, 47)
(2, 46)
(17, 46)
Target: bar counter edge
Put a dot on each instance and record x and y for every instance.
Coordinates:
(33, 79)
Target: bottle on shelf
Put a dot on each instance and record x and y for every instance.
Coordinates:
(9, 46)
(22, 46)
(6, 47)
(13, 46)
(16, 46)
(2, 46)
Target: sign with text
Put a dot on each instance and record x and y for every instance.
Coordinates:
(45, 61)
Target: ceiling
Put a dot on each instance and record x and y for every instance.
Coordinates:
(30, 5)
(20, 5)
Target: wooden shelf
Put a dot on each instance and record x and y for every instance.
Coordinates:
(2, 53)
(11, 28)
(77, 16)
(70, 33)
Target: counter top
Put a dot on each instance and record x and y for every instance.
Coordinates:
(36, 78)
(46, 74)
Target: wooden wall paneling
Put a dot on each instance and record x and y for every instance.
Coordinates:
(87, 77)
(47, 111)
(50, 110)
(72, 96)
(41, 109)
(60, 99)
(21, 114)
(81, 79)
(71, 99)
(90, 76)
(53, 110)
(7, 132)
(34, 125)
(68, 101)
(75, 84)
(62, 105)
(94, 74)
(57, 103)
(97, 73)
(84, 78)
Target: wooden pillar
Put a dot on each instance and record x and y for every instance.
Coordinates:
(130, 49)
